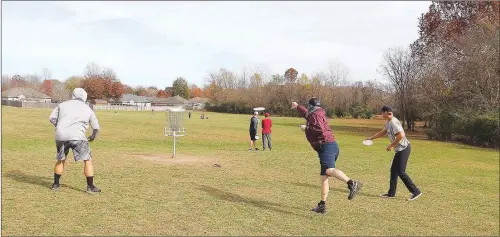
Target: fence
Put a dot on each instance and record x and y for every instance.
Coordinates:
(14, 103)
(28, 104)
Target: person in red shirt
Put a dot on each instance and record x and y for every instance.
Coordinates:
(267, 123)
(321, 138)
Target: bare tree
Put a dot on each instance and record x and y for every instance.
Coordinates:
(92, 70)
(403, 71)
(46, 74)
(33, 81)
(337, 75)
(59, 91)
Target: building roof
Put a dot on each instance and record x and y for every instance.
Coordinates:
(171, 100)
(27, 92)
(135, 98)
(198, 100)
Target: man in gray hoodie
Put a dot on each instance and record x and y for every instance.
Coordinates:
(71, 120)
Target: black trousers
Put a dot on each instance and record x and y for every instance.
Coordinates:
(398, 169)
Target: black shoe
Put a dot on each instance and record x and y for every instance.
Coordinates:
(321, 208)
(354, 189)
(414, 196)
(387, 196)
(55, 187)
(256, 149)
(93, 189)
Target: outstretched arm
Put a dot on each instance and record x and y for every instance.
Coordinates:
(377, 135)
(301, 109)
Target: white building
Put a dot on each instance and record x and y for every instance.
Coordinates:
(25, 94)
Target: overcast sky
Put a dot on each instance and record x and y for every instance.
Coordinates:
(152, 43)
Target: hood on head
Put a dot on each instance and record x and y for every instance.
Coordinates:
(316, 109)
(79, 94)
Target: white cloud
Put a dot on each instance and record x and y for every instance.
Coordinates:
(151, 43)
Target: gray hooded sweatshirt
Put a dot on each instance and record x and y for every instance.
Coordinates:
(72, 118)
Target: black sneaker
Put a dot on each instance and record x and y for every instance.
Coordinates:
(55, 187)
(321, 208)
(414, 196)
(354, 189)
(387, 196)
(93, 189)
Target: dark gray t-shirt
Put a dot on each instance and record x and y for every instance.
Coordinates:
(254, 123)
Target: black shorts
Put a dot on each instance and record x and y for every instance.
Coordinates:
(81, 150)
(252, 136)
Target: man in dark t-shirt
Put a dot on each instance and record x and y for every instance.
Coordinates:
(254, 122)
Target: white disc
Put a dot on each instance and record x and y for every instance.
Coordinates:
(259, 109)
(367, 142)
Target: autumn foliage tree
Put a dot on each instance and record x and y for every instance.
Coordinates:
(101, 83)
(46, 87)
(128, 89)
(291, 75)
(73, 82)
(162, 94)
(459, 85)
(196, 91)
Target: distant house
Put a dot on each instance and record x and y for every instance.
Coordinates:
(99, 102)
(25, 94)
(197, 103)
(170, 101)
(135, 100)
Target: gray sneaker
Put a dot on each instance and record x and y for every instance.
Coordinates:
(414, 196)
(354, 189)
(93, 189)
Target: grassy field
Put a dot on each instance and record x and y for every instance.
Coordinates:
(253, 193)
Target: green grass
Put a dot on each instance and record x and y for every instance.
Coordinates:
(253, 193)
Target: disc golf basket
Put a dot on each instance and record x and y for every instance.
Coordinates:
(173, 126)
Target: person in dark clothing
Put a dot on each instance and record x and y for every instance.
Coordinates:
(254, 122)
(321, 138)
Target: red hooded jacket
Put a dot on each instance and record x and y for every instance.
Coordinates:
(317, 129)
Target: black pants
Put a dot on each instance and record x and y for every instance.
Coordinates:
(398, 170)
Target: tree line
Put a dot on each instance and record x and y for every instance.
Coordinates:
(449, 78)
(100, 83)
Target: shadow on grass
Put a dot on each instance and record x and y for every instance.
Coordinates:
(36, 180)
(333, 189)
(227, 196)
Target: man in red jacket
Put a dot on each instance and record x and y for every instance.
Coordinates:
(320, 136)
(267, 123)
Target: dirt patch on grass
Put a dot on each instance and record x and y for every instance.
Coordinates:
(179, 159)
